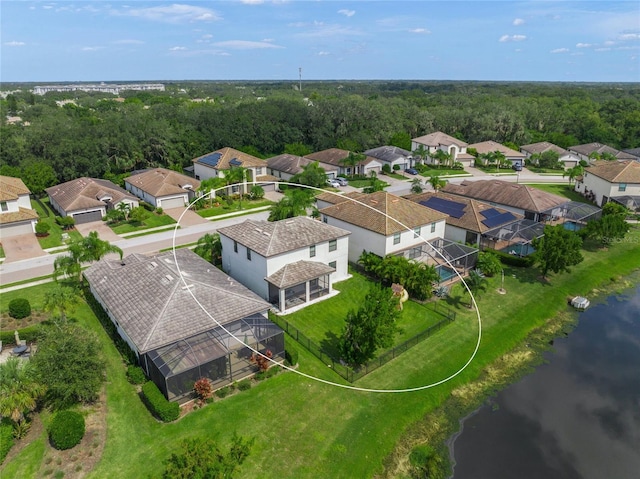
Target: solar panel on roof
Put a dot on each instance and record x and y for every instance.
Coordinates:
(235, 162)
(491, 212)
(498, 219)
(211, 159)
(451, 208)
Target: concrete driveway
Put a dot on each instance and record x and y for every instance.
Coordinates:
(190, 218)
(17, 248)
(104, 232)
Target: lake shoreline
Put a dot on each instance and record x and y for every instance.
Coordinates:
(467, 399)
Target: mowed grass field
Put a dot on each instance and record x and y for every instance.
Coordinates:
(307, 429)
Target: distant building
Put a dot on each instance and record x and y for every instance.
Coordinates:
(98, 87)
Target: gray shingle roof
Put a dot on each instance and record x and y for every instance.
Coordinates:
(154, 306)
(297, 273)
(85, 192)
(293, 164)
(277, 237)
(388, 153)
(160, 182)
(437, 138)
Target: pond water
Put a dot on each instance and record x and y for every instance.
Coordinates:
(576, 416)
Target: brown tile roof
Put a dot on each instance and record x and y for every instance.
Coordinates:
(83, 193)
(292, 164)
(616, 171)
(399, 213)
(160, 182)
(227, 155)
(505, 193)
(273, 238)
(438, 138)
(489, 146)
(543, 146)
(338, 197)
(334, 156)
(155, 307)
(11, 188)
(472, 219)
(589, 148)
(297, 273)
(23, 214)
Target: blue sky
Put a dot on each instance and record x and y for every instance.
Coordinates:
(360, 40)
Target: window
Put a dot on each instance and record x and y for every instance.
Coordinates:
(416, 232)
(396, 238)
(4, 206)
(248, 254)
(312, 251)
(333, 245)
(333, 265)
(324, 219)
(235, 246)
(433, 227)
(621, 187)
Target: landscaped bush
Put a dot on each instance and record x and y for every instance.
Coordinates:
(291, 355)
(28, 334)
(6, 440)
(272, 371)
(203, 389)
(512, 260)
(158, 405)
(19, 308)
(244, 385)
(135, 374)
(66, 429)
(223, 392)
(42, 228)
(65, 222)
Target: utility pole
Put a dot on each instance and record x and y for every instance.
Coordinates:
(300, 78)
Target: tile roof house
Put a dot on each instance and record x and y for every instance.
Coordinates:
(177, 312)
(604, 180)
(392, 156)
(383, 223)
(290, 262)
(586, 150)
(162, 188)
(88, 199)
(217, 163)
(335, 157)
(16, 215)
(285, 166)
(447, 143)
(568, 159)
(490, 146)
(467, 219)
(517, 198)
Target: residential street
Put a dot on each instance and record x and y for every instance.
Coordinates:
(12, 272)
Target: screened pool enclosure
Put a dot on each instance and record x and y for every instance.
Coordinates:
(214, 354)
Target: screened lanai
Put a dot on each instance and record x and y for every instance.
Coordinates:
(514, 238)
(214, 354)
(574, 215)
(443, 254)
(631, 202)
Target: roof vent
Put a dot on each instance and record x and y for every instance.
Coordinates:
(188, 286)
(169, 277)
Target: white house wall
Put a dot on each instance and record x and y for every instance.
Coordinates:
(24, 202)
(408, 239)
(601, 187)
(143, 195)
(454, 233)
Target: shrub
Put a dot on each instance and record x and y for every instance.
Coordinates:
(203, 388)
(19, 308)
(66, 429)
(244, 385)
(65, 222)
(135, 374)
(164, 410)
(42, 229)
(223, 392)
(396, 167)
(272, 371)
(291, 355)
(6, 440)
(386, 169)
(512, 260)
(159, 211)
(28, 334)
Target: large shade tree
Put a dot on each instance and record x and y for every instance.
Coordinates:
(557, 250)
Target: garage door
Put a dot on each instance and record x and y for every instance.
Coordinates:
(88, 217)
(16, 229)
(172, 203)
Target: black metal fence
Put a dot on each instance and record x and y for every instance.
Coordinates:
(350, 374)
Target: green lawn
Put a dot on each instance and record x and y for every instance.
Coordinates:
(224, 209)
(493, 169)
(2, 255)
(397, 176)
(365, 182)
(440, 171)
(547, 171)
(307, 429)
(154, 220)
(563, 190)
(47, 215)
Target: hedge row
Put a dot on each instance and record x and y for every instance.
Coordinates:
(6, 440)
(155, 401)
(513, 260)
(29, 334)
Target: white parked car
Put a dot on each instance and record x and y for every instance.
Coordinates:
(342, 181)
(332, 182)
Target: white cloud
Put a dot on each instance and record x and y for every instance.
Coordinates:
(91, 49)
(252, 2)
(603, 49)
(323, 54)
(268, 40)
(609, 43)
(347, 13)
(319, 29)
(560, 50)
(14, 44)
(518, 21)
(246, 45)
(177, 49)
(630, 36)
(48, 7)
(583, 45)
(419, 30)
(207, 36)
(175, 13)
(512, 38)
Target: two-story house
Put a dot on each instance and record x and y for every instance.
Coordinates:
(604, 180)
(290, 263)
(438, 140)
(16, 215)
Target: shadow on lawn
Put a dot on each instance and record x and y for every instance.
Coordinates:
(526, 275)
(329, 345)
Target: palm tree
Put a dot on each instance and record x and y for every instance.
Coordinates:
(237, 174)
(294, 203)
(420, 152)
(352, 160)
(475, 283)
(61, 299)
(125, 209)
(436, 183)
(573, 173)
(209, 247)
(87, 250)
(416, 186)
(443, 157)
(19, 391)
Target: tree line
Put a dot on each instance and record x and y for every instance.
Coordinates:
(96, 135)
